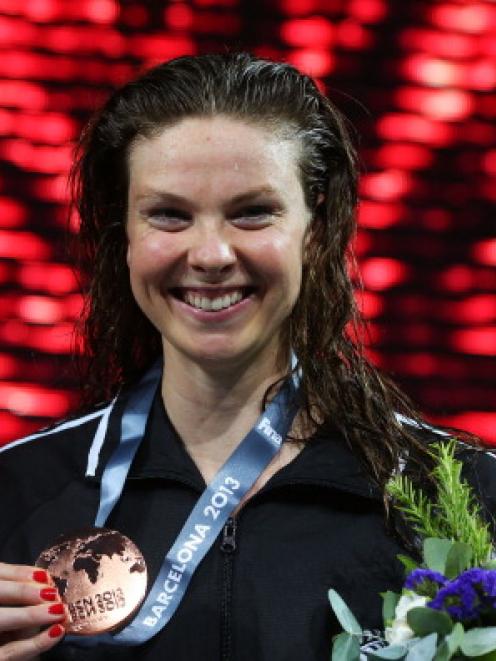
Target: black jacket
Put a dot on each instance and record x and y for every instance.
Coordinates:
(260, 594)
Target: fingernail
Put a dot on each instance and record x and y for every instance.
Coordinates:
(40, 576)
(48, 594)
(55, 631)
(56, 609)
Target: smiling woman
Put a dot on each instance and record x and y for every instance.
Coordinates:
(232, 427)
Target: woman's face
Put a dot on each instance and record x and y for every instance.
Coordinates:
(216, 225)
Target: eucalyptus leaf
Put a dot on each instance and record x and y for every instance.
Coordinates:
(490, 564)
(425, 620)
(424, 649)
(391, 652)
(436, 552)
(408, 563)
(451, 644)
(458, 560)
(477, 642)
(345, 648)
(345, 616)
(389, 602)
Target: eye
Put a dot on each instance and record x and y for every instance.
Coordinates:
(254, 216)
(168, 218)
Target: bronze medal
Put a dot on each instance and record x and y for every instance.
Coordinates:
(101, 577)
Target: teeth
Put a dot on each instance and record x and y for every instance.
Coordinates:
(219, 303)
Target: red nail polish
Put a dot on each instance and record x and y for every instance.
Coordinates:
(55, 631)
(48, 594)
(40, 576)
(56, 609)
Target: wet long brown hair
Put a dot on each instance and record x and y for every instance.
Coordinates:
(339, 388)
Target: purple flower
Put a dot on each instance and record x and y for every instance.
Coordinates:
(468, 596)
(425, 582)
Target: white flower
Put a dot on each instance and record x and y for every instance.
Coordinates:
(399, 631)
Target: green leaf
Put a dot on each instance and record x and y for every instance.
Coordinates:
(436, 552)
(424, 649)
(450, 644)
(389, 602)
(487, 657)
(490, 564)
(408, 563)
(424, 621)
(345, 616)
(345, 648)
(458, 559)
(391, 652)
(477, 642)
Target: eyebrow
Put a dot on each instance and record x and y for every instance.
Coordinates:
(172, 198)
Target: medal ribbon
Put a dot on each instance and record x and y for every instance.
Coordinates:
(210, 513)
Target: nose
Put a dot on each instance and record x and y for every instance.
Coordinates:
(211, 250)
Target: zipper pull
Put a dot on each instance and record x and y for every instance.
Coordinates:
(228, 544)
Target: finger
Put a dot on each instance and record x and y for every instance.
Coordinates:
(24, 574)
(30, 648)
(14, 619)
(14, 593)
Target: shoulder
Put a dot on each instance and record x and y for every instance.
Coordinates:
(479, 462)
(70, 448)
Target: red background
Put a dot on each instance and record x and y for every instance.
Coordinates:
(416, 77)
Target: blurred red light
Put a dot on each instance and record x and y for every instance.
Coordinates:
(52, 278)
(8, 366)
(377, 215)
(39, 309)
(312, 62)
(215, 23)
(292, 7)
(438, 43)
(101, 11)
(159, 46)
(134, 15)
(457, 278)
(41, 10)
(481, 75)
(386, 185)
(480, 341)
(478, 309)
(316, 31)
(485, 252)
(474, 17)
(30, 399)
(439, 104)
(20, 94)
(419, 364)
(382, 273)
(396, 126)
(481, 423)
(53, 189)
(401, 155)
(12, 213)
(178, 16)
(370, 305)
(489, 162)
(431, 71)
(352, 35)
(22, 245)
(12, 427)
(368, 11)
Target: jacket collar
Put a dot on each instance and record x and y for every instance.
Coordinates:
(325, 460)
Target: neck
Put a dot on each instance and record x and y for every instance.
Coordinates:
(213, 410)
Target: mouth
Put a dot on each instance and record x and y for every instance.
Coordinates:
(212, 300)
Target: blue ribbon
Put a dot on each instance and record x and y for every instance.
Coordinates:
(209, 515)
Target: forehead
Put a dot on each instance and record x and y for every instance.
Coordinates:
(196, 151)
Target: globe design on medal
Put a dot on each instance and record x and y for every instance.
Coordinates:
(101, 577)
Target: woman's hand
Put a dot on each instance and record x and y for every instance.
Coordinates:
(28, 601)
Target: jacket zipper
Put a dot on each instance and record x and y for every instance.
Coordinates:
(228, 547)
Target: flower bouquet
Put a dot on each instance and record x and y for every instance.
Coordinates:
(447, 607)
